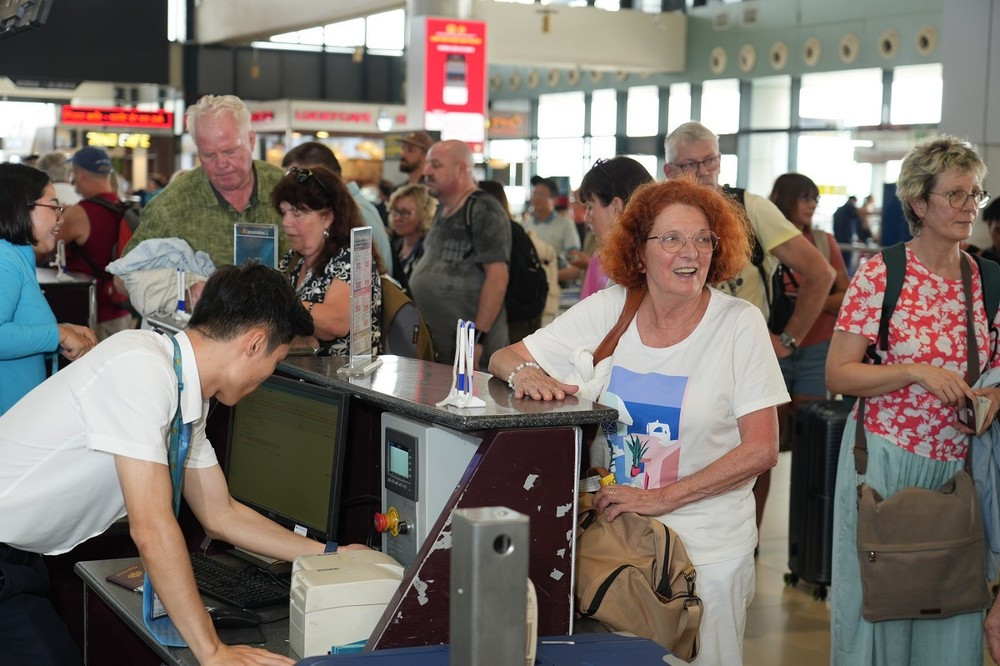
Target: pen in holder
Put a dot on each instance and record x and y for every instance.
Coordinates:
(60, 260)
(181, 291)
(463, 370)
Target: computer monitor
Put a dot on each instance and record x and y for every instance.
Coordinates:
(286, 453)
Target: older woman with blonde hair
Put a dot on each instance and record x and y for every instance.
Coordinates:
(694, 381)
(913, 395)
(411, 211)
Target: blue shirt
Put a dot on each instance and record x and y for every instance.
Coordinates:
(28, 328)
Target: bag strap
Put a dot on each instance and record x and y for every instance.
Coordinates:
(971, 371)
(120, 208)
(989, 275)
(610, 341)
(467, 218)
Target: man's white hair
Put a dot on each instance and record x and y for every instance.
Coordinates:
(685, 134)
(211, 107)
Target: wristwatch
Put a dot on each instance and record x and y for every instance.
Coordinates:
(788, 341)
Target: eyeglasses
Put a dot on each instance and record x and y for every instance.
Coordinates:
(58, 208)
(704, 242)
(399, 212)
(710, 164)
(959, 198)
(302, 175)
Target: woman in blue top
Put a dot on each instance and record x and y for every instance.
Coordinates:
(30, 215)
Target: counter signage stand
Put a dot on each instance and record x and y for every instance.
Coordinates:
(363, 362)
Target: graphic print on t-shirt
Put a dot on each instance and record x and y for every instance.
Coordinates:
(646, 450)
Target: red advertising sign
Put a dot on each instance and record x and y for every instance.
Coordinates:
(117, 117)
(455, 66)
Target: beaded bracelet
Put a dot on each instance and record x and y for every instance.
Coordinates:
(519, 368)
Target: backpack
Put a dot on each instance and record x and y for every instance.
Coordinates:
(527, 285)
(128, 212)
(404, 331)
(780, 303)
(633, 574)
(894, 257)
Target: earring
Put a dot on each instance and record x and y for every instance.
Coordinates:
(326, 233)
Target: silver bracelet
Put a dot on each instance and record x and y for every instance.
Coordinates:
(519, 368)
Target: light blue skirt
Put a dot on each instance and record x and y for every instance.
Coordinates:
(956, 640)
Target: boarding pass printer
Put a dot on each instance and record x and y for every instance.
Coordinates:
(337, 598)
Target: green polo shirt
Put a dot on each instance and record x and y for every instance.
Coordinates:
(191, 209)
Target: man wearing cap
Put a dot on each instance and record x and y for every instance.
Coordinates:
(90, 230)
(201, 206)
(411, 159)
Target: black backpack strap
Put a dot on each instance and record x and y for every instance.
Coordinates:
(894, 258)
(118, 208)
(989, 274)
(468, 221)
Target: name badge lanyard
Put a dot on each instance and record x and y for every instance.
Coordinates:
(154, 616)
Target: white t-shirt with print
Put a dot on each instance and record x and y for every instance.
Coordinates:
(683, 402)
(58, 481)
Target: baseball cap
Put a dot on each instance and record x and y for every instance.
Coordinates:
(547, 182)
(92, 159)
(421, 140)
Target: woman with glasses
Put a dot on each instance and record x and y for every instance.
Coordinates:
(30, 215)
(318, 213)
(605, 190)
(804, 369)
(694, 381)
(411, 211)
(912, 395)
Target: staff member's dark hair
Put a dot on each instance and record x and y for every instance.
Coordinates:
(238, 298)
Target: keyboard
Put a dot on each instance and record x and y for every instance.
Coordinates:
(242, 587)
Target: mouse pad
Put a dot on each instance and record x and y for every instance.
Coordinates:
(241, 635)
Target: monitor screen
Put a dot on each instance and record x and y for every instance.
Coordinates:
(286, 452)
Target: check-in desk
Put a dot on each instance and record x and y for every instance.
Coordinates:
(72, 296)
(528, 460)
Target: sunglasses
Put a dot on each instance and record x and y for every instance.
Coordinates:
(302, 175)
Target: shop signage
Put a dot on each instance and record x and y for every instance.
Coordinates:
(508, 125)
(344, 117)
(455, 79)
(117, 117)
(116, 140)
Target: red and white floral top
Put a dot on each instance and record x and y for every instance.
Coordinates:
(928, 326)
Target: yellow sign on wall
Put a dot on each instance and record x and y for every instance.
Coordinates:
(117, 140)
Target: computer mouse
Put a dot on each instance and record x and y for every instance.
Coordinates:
(230, 617)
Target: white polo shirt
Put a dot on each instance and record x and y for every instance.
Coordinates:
(58, 481)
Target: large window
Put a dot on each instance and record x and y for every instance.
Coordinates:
(384, 33)
(720, 106)
(604, 112)
(643, 114)
(561, 115)
(678, 106)
(771, 102)
(849, 98)
(916, 95)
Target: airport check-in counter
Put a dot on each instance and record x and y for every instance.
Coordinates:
(521, 454)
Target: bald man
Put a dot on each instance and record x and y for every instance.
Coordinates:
(463, 273)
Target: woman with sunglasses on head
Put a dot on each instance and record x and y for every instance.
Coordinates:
(30, 215)
(318, 213)
(914, 396)
(605, 190)
(411, 211)
(694, 381)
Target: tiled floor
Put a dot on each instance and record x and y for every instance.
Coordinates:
(786, 626)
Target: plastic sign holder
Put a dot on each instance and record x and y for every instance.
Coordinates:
(362, 361)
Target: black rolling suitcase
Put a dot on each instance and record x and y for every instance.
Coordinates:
(815, 449)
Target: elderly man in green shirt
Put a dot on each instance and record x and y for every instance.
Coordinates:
(202, 205)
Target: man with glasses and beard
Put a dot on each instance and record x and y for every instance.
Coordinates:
(693, 150)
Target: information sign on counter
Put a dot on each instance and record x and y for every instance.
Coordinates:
(363, 361)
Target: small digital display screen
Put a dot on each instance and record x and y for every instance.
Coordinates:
(399, 461)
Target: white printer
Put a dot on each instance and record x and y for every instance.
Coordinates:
(338, 598)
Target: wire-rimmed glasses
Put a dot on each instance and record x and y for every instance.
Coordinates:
(958, 199)
(703, 241)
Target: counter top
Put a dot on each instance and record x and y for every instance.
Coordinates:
(412, 387)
